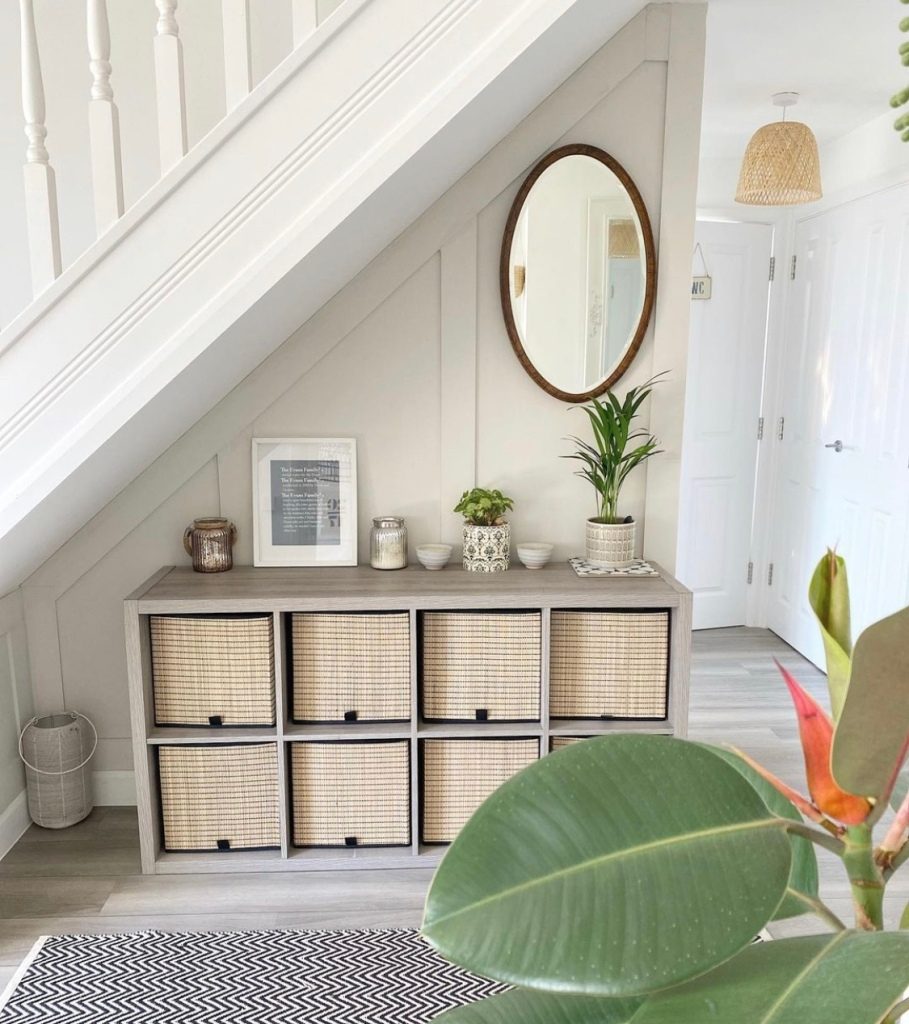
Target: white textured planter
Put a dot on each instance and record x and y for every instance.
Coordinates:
(486, 548)
(610, 545)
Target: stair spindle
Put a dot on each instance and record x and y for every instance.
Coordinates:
(103, 122)
(169, 85)
(306, 18)
(237, 61)
(40, 184)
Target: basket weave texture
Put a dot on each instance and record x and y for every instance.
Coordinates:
(351, 794)
(609, 664)
(217, 794)
(205, 668)
(560, 742)
(781, 166)
(351, 665)
(458, 775)
(482, 665)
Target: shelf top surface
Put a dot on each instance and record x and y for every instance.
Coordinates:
(360, 587)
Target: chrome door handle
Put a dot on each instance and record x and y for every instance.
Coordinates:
(837, 446)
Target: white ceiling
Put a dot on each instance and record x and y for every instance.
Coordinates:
(840, 55)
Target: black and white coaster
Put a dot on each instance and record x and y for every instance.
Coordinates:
(639, 569)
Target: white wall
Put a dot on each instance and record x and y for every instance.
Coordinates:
(412, 359)
(61, 30)
(15, 710)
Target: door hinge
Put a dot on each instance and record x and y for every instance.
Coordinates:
(781, 428)
(770, 575)
(795, 260)
(772, 267)
(760, 428)
(751, 572)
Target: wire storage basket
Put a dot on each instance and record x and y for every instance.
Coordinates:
(210, 670)
(459, 774)
(219, 797)
(609, 664)
(56, 750)
(481, 666)
(350, 667)
(346, 793)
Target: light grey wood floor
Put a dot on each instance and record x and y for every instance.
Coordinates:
(86, 879)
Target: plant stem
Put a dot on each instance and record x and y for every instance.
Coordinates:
(824, 839)
(865, 878)
(816, 906)
(894, 1015)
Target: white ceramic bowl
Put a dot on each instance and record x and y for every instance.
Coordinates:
(433, 556)
(534, 556)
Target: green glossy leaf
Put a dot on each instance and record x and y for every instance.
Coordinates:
(900, 790)
(873, 728)
(904, 918)
(525, 1006)
(828, 595)
(846, 978)
(802, 888)
(612, 867)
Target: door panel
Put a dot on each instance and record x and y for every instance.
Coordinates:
(845, 377)
(722, 405)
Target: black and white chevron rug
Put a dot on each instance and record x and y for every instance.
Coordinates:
(387, 976)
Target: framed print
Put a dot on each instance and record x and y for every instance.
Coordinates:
(304, 501)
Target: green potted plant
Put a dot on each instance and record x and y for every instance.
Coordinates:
(606, 465)
(487, 534)
(622, 879)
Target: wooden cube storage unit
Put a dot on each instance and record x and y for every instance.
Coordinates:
(213, 670)
(458, 775)
(481, 666)
(191, 793)
(222, 797)
(350, 667)
(350, 794)
(609, 664)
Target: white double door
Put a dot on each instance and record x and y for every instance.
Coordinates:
(842, 467)
(722, 407)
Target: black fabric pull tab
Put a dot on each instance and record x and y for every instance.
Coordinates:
(350, 840)
(350, 716)
(215, 720)
(223, 844)
(482, 715)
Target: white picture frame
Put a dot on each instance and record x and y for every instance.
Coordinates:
(304, 501)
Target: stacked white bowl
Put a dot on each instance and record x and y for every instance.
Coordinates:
(433, 556)
(534, 555)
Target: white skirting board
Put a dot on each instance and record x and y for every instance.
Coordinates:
(13, 822)
(20, 971)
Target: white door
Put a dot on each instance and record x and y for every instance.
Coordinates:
(722, 406)
(842, 476)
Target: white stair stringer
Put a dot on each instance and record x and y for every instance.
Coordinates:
(331, 157)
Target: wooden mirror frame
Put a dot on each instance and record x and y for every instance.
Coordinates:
(650, 270)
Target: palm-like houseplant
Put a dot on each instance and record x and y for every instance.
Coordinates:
(617, 450)
(621, 880)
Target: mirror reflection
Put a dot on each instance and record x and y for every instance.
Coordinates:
(577, 275)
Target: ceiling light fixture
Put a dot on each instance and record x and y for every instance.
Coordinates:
(781, 166)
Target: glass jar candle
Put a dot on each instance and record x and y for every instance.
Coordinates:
(388, 543)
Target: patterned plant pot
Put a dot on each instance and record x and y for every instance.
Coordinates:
(610, 545)
(486, 548)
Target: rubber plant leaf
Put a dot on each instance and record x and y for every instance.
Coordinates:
(816, 733)
(904, 919)
(802, 888)
(845, 978)
(870, 742)
(828, 595)
(525, 1006)
(613, 867)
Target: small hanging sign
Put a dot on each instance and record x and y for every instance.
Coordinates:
(701, 287)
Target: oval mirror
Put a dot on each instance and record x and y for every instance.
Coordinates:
(577, 272)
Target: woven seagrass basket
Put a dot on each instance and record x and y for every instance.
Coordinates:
(350, 667)
(560, 742)
(481, 666)
(458, 775)
(213, 671)
(351, 793)
(606, 664)
(219, 797)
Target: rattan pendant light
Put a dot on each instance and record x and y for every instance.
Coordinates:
(781, 165)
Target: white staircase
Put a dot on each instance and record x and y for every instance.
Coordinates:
(372, 116)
